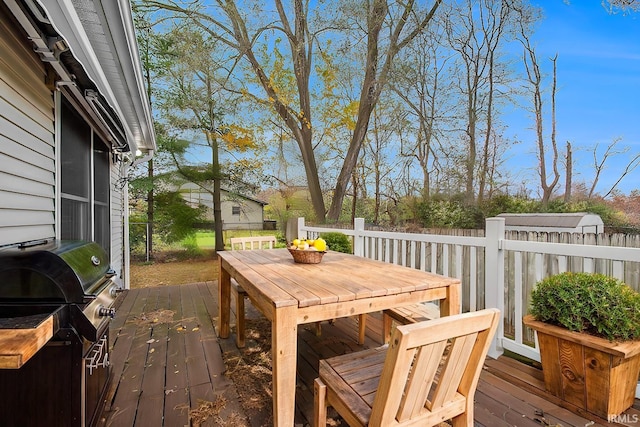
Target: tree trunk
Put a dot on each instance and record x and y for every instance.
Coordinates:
(569, 174)
(354, 200)
(217, 208)
(368, 98)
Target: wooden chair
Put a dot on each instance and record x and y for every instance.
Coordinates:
(396, 385)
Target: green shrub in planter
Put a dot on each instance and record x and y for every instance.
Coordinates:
(337, 241)
(588, 302)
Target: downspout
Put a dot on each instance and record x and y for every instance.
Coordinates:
(127, 254)
(143, 159)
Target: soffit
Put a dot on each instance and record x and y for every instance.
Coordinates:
(101, 37)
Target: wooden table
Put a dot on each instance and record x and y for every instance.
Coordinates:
(291, 294)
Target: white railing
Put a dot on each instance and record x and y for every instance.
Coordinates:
(494, 271)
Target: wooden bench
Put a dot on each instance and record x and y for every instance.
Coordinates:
(253, 242)
(246, 243)
(362, 327)
(407, 315)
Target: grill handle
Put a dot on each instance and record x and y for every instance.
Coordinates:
(81, 324)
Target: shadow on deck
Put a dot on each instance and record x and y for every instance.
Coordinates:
(168, 369)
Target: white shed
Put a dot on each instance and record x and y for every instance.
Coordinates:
(579, 222)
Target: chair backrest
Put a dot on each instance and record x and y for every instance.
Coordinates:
(253, 242)
(453, 348)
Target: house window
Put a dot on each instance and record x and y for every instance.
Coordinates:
(84, 181)
(235, 210)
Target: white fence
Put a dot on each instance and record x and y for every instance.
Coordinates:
(494, 271)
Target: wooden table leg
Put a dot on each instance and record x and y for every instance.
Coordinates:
(451, 305)
(284, 343)
(224, 301)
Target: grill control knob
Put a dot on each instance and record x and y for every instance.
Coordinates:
(106, 312)
(114, 290)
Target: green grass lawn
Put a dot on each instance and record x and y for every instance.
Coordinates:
(206, 239)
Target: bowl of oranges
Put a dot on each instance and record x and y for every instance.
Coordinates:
(308, 251)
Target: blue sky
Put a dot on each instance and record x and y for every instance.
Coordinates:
(598, 98)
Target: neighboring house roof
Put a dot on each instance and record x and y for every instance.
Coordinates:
(194, 187)
(242, 196)
(101, 38)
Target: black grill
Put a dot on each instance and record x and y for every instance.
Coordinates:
(70, 287)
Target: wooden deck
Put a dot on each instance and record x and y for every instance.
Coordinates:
(168, 369)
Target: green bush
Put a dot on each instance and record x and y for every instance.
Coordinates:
(441, 213)
(588, 302)
(337, 241)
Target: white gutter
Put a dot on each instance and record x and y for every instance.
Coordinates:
(140, 87)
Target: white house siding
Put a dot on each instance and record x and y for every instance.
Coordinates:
(251, 212)
(27, 166)
(250, 217)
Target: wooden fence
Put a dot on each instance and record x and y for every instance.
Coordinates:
(498, 268)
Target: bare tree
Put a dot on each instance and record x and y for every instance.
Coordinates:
(599, 165)
(614, 6)
(380, 165)
(475, 31)
(535, 81)
(376, 77)
(422, 84)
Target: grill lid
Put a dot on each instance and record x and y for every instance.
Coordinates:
(63, 270)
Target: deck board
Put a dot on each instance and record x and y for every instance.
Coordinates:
(185, 372)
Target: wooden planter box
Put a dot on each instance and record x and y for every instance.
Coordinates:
(589, 372)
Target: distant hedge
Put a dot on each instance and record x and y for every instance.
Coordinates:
(337, 241)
